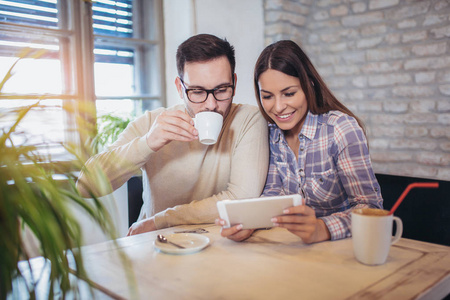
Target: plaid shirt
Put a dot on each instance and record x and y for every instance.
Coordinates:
(333, 172)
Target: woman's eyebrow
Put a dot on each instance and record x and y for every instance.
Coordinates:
(283, 90)
(292, 86)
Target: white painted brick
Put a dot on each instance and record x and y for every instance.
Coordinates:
(443, 174)
(441, 5)
(430, 49)
(413, 144)
(384, 54)
(393, 38)
(369, 43)
(366, 18)
(382, 67)
(420, 118)
(429, 158)
(389, 79)
(295, 7)
(408, 11)
(445, 89)
(339, 11)
(395, 107)
(335, 82)
(374, 29)
(427, 63)
(346, 70)
(354, 57)
(445, 146)
(330, 37)
(425, 77)
(387, 131)
(378, 94)
(441, 32)
(444, 119)
(273, 4)
(387, 119)
(444, 76)
(359, 81)
(321, 15)
(414, 36)
(391, 156)
(370, 106)
(359, 7)
(410, 23)
(379, 4)
(415, 131)
(439, 132)
(313, 38)
(413, 91)
(423, 106)
(337, 47)
(356, 95)
(443, 105)
(434, 20)
(419, 171)
(379, 144)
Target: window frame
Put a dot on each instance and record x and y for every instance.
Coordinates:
(77, 41)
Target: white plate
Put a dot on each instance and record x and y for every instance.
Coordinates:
(192, 242)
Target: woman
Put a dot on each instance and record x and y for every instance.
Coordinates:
(318, 148)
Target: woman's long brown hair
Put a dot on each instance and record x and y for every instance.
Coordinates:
(287, 57)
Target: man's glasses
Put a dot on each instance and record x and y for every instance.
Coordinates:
(221, 93)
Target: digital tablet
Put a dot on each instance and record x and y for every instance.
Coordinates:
(256, 212)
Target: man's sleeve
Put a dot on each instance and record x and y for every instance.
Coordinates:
(107, 171)
(247, 177)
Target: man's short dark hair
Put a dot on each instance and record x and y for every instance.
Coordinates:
(202, 48)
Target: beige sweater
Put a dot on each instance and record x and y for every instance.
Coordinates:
(183, 181)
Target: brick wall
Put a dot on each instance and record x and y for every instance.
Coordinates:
(389, 62)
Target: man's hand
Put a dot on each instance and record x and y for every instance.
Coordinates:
(171, 126)
(142, 226)
(234, 233)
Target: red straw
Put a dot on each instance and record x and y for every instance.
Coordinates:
(408, 188)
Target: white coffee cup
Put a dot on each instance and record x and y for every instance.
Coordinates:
(372, 234)
(208, 125)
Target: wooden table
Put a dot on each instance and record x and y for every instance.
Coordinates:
(272, 264)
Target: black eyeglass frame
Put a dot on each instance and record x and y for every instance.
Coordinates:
(186, 90)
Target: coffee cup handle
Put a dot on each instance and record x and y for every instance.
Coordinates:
(398, 231)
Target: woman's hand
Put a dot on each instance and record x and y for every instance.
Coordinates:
(234, 233)
(301, 220)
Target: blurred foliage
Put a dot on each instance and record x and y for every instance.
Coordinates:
(109, 129)
(32, 199)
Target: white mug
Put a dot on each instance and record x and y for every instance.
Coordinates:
(372, 234)
(208, 125)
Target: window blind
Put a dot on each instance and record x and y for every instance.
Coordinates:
(110, 18)
(29, 12)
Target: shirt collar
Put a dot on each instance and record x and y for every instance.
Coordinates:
(308, 129)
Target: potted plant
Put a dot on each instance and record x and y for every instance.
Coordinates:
(32, 199)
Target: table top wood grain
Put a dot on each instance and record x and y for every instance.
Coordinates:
(272, 264)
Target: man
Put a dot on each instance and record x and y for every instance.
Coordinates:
(182, 178)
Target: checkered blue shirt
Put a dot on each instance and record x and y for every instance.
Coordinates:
(333, 172)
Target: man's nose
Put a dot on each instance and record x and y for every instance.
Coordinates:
(211, 102)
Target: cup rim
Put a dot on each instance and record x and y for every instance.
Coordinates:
(357, 211)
